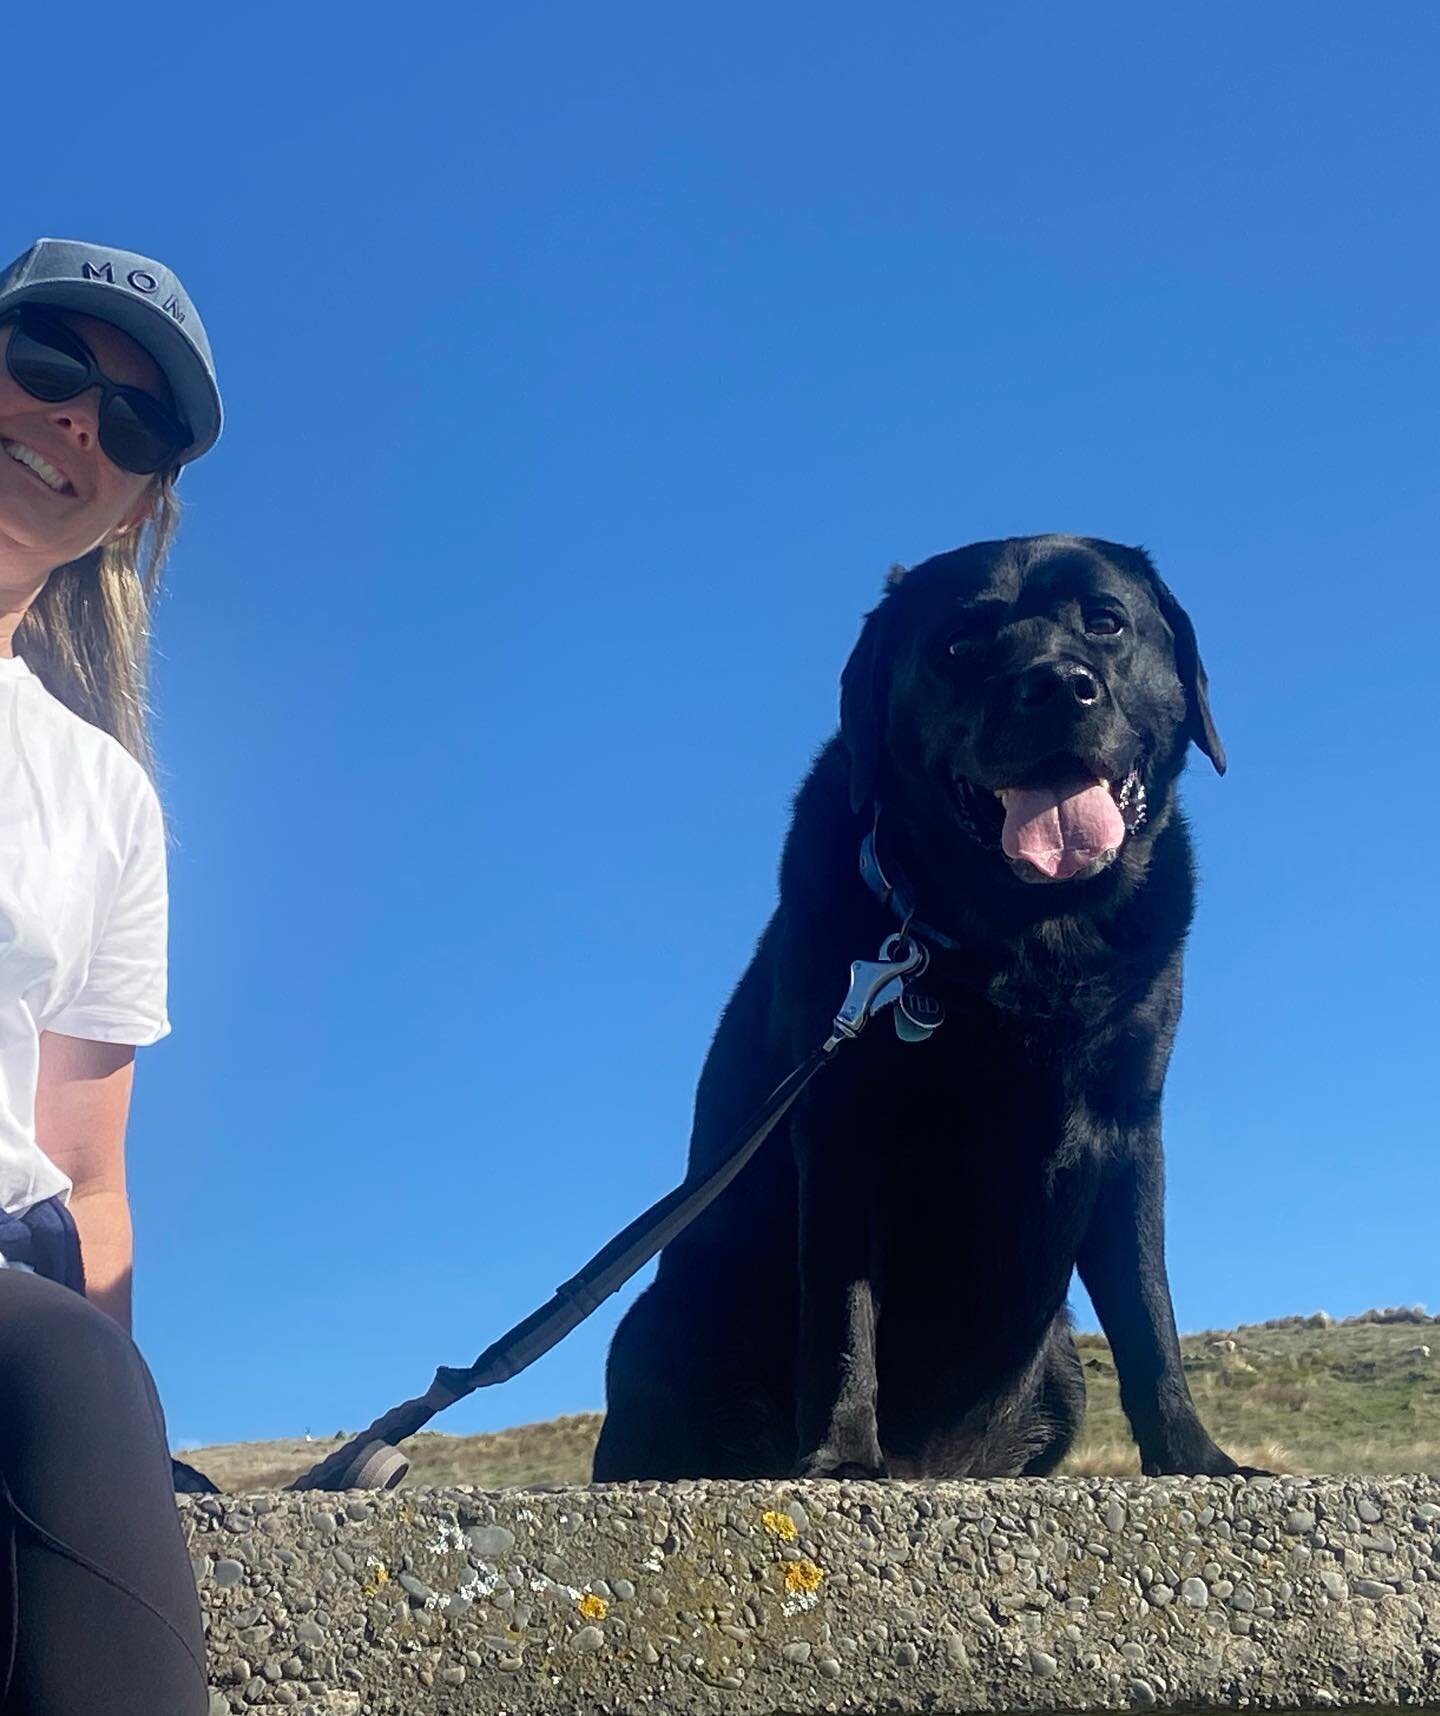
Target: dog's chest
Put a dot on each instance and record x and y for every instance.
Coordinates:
(1019, 1064)
(982, 1164)
(988, 1111)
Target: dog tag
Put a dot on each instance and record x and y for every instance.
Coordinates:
(917, 1015)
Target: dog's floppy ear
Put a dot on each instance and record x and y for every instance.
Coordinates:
(1192, 669)
(863, 687)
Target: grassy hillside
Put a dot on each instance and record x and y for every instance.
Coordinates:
(1291, 1396)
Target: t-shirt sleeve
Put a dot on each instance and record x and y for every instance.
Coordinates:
(123, 998)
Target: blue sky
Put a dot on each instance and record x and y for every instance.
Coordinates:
(585, 369)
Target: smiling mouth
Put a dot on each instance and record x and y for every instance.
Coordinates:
(39, 468)
(1069, 828)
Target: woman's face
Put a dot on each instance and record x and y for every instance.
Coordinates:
(97, 500)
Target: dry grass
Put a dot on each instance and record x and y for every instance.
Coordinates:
(1102, 1459)
(1355, 1399)
(557, 1451)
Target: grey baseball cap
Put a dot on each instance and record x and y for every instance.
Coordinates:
(142, 298)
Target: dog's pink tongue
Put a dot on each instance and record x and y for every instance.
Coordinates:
(1061, 829)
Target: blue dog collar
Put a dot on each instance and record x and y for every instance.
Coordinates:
(894, 891)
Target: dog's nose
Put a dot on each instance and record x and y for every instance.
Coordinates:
(1048, 681)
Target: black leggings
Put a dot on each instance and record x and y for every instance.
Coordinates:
(98, 1610)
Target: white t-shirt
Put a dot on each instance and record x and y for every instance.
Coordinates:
(83, 908)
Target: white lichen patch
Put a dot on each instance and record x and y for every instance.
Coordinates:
(448, 1536)
(481, 1581)
(542, 1585)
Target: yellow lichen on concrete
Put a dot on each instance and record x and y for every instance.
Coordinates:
(593, 1608)
(802, 1577)
(779, 1525)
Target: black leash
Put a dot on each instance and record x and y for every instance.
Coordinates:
(371, 1459)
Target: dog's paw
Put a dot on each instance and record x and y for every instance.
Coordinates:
(1220, 1465)
(1202, 1462)
(824, 1463)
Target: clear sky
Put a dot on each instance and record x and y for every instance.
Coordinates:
(585, 369)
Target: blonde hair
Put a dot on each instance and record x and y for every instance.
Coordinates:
(87, 634)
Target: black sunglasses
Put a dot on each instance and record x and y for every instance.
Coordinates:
(137, 432)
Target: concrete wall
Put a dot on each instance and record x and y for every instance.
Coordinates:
(1058, 1595)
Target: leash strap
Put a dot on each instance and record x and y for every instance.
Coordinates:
(572, 1302)
(370, 1460)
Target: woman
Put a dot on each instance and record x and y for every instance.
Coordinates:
(106, 389)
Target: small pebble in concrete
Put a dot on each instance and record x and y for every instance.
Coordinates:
(490, 1539)
(955, 1653)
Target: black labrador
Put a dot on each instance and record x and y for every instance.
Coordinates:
(882, 1290)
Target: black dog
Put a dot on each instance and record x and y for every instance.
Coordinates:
(882, 1290)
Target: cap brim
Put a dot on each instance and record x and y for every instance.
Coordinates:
(197, 399)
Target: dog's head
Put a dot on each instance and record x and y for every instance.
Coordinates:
(1038, 694)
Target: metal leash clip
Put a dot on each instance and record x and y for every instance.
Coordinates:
(901, 956)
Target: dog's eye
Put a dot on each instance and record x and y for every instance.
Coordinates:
(1104, 622)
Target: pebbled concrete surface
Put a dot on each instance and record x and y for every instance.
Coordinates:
(1046, 1595)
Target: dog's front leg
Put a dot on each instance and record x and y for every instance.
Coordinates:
(835, 1372)
(1122, 1263)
